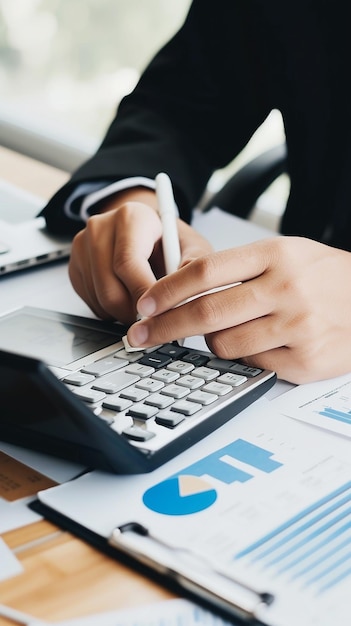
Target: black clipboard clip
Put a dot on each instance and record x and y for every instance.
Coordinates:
(192, 572)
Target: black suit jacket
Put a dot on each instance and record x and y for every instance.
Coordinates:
(206, 92)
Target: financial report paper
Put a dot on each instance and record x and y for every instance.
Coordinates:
(266, 499)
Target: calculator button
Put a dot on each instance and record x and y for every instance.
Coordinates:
(149, 384)
(142, 411)
(156, 360)
(116, 382)
(180, 367)
(232, 379)
(117, 404)
(140, 370)
(174, 351)
(217, 388)
(175, 391)
(134, 394)
(169, 419)
(186, 408)
(165, 376)
(138, 434)
(89, 395)
(196, 359)
(191, 382)
(104, 366)
(159, 400)
(78, 379)
(202, 397)
(207, 373)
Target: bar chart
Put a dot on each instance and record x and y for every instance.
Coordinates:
(326, 404)
(187, 492)
(334, 411)
(312, 548)
(341, 416)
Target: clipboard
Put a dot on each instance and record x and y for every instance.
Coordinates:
(128, 518)
(241, 606)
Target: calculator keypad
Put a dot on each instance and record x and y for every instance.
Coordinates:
(148, 397)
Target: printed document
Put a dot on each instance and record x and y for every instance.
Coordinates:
(264, 502)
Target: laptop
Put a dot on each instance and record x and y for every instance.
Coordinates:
(24, 239)
(69, 388)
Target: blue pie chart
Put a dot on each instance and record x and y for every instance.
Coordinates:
(180, 495)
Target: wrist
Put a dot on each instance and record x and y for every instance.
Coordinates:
(134, 194)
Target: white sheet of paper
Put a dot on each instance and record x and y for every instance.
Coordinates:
(325, 404)
(251, 483)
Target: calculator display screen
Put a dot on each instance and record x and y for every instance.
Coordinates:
(57, 342)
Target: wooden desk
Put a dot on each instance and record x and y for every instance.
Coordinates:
(63, 577)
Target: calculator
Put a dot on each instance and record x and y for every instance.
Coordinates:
(69, 388)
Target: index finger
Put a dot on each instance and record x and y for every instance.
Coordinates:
(210, 272)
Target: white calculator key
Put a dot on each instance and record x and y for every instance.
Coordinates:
(149, 384)
(165, 376)
(202, 397)
(217, 388)
(175, 391)
(159, 400)
(142, 411)
(190, 381)
(78, 379)
(132, 393)
(206, 373)
(181, 367)
(89, 395)
(232, 379)
(115, 382)
(140, 370)
(117, 404)
(185, 407)
(104, 366)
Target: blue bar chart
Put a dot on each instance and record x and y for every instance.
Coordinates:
(312, 548)
(187, 492)
(252, 456)
(326, 404)
(334, 411)
(341, 416)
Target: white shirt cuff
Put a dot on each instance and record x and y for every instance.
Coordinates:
(95, 192)
(80, 192)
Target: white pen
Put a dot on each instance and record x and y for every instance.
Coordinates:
(168, 214)
(167, 211)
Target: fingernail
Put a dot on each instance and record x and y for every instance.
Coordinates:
(146, 307)
(138, 334)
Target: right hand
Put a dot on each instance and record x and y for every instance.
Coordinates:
(118, 255)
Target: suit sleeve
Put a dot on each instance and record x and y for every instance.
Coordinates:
(192, 111)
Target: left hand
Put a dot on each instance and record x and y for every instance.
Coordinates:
(118, 255)
(291, 313)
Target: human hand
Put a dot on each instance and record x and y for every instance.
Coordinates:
(118, 255)
(290, 313)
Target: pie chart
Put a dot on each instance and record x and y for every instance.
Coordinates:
(180, 495)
